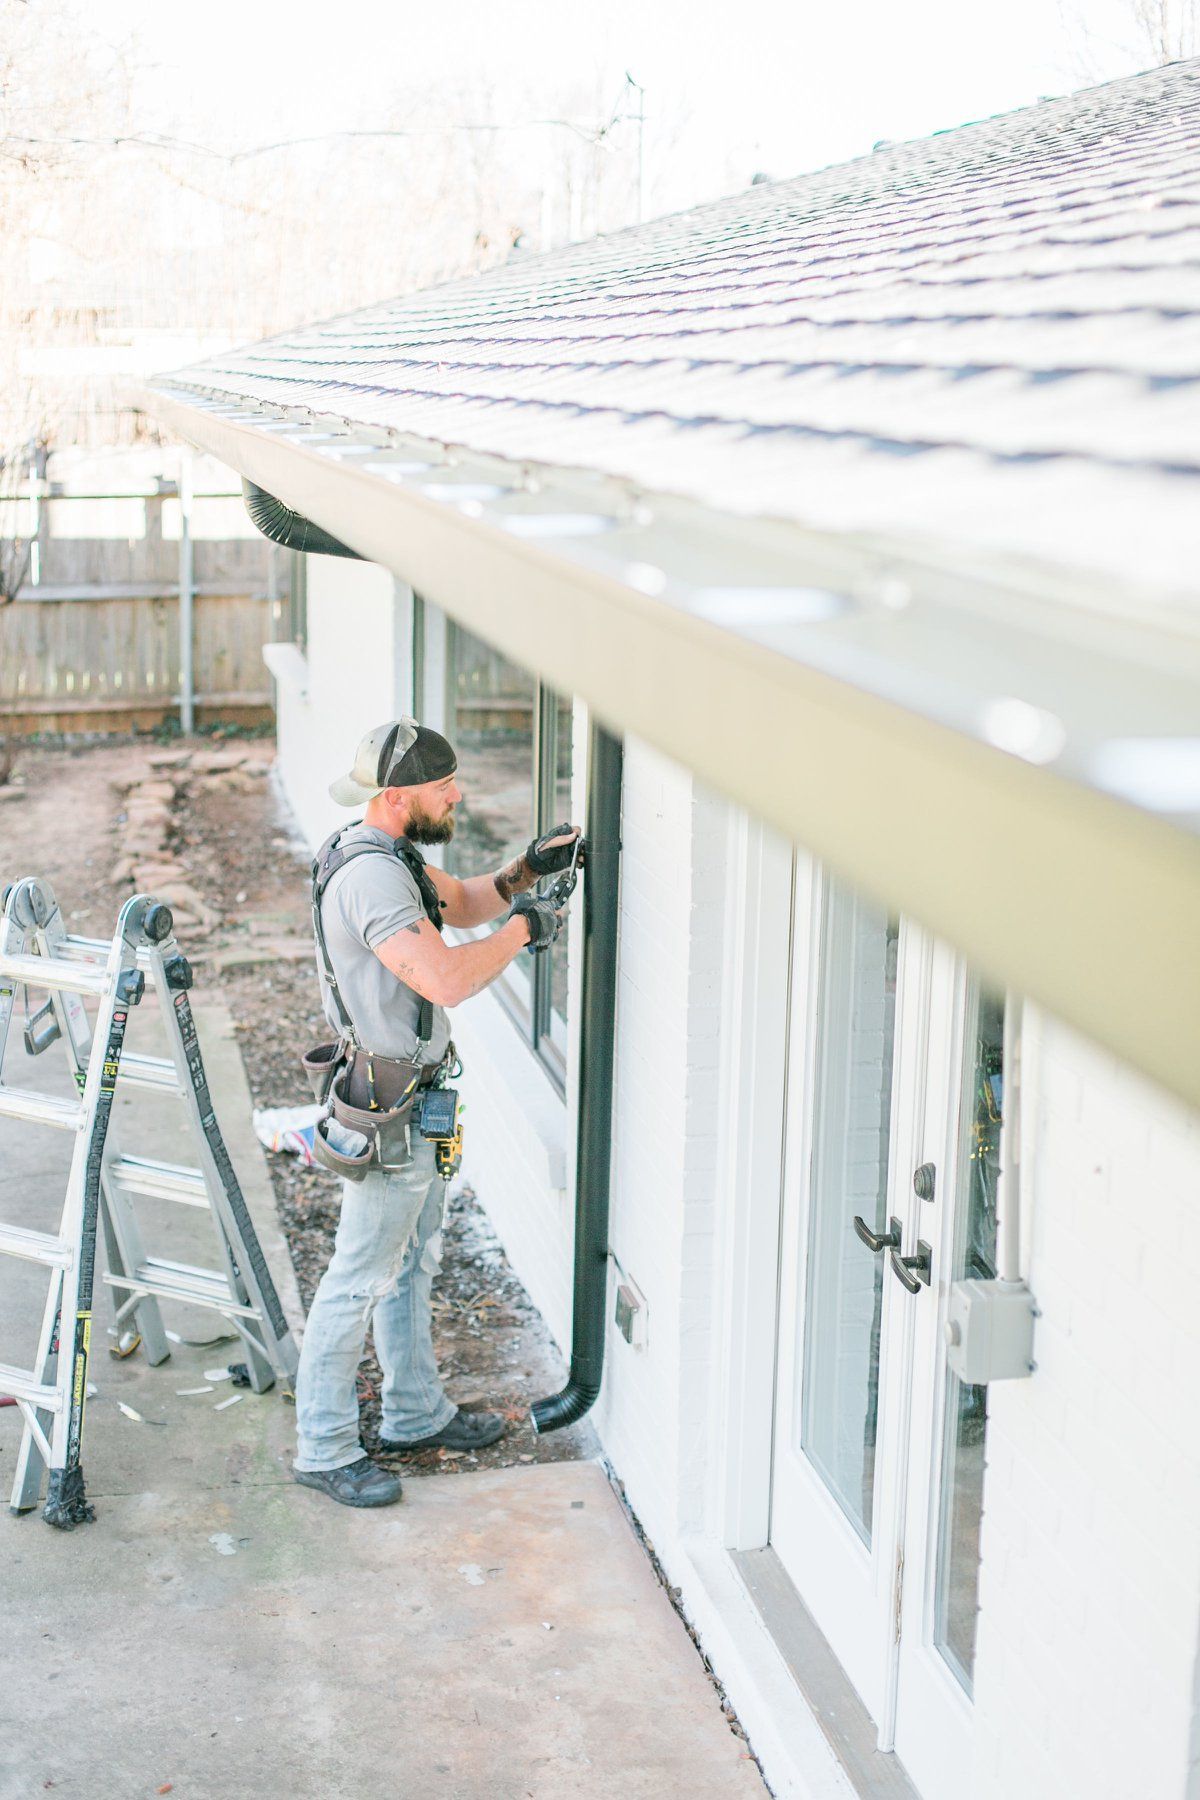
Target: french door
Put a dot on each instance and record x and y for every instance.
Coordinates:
(895, 1088)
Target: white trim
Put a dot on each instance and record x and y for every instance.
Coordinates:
(800, 1762)
(289, 665)
(754, 1080)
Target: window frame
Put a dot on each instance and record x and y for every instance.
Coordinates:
(528, 1004)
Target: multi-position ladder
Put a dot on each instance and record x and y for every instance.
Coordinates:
(36, 951)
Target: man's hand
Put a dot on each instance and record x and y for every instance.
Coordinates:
(541, 920)
(546, 855)
(552, 852)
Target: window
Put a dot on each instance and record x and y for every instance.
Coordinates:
(850, 1164)
(964, 1442)
(513, 739)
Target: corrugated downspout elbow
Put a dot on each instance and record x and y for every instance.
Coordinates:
(291, 529)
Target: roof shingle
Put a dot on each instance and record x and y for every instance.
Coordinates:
(988, 338)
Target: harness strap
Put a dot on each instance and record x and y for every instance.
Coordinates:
(329, 859)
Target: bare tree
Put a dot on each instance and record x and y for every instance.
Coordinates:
(1168, 28)
(1156, 32)
(17, 534)
(57, 82)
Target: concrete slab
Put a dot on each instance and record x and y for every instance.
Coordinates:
(498, 1634)
(225, 1631)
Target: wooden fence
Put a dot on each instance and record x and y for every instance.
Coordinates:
(121, 626)
(106, 658)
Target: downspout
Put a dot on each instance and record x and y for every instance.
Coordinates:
(283, 526)
(597, 1035)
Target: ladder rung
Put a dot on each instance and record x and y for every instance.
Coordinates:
(36, 1246)
(159, 1180)
(149, 1072)
(54, 972)
(23, 1384)
(94, 952)
(40, 1109)
(179, 1281)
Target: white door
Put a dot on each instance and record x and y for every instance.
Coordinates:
(877, 1461)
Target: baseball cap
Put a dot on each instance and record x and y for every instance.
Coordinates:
(400, 753)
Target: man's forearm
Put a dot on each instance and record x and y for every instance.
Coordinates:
(472, 966)
(485, 897)
(515, 877)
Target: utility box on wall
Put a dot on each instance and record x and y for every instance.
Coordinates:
(630, 1313)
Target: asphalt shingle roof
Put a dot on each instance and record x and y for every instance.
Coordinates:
(989, 339)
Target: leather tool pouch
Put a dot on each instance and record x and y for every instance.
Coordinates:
(393, 1084)
(321, 1064)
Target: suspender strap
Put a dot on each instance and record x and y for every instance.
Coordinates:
(329, 859)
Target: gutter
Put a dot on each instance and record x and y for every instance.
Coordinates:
(597, 1037)
(994, 750)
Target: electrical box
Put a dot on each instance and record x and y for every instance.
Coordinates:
(989, 1330)
(630, 1314)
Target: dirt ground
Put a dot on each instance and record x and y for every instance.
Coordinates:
(198, 823)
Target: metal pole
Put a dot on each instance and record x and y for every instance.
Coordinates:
(187, 596)
(35, 525)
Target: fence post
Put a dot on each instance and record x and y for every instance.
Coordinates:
(187, 697)
(35, 523)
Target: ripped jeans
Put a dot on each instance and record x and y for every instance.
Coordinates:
(387, 1252)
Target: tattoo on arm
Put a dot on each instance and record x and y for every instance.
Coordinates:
(414, 928)
(514, 879)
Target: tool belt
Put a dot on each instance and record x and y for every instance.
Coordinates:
(372, 1095)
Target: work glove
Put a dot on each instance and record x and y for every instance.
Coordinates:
(539, 915)
(545, 857)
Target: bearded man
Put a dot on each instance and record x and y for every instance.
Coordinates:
(387, 975)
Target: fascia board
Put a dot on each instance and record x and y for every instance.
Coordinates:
(1046, 884)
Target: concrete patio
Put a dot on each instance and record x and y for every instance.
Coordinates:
(219, 1631)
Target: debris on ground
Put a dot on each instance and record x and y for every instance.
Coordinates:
(199, 825)
(288, 1128)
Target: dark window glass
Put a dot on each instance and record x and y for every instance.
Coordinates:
(493, 706)
(957, 1595)
(513, 738)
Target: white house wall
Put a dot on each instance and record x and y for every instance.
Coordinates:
(662, 1219)
(1090, 1581)
(358, 661)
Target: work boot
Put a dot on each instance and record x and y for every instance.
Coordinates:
(465, 1431)
(361, 1483)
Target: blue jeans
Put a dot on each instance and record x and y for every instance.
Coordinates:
(387, 1251)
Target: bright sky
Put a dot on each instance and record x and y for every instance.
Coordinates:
(730, 88)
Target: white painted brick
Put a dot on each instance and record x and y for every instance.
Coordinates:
(1093, 1478)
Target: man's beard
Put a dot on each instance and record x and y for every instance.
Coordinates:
(421, 829)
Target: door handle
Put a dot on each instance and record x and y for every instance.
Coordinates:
(913, 1272)
(878, 1240)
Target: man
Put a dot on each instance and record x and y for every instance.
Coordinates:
(380, 915)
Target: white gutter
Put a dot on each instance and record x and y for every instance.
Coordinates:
(1016, 771)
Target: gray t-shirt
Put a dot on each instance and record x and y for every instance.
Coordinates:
(366, 902)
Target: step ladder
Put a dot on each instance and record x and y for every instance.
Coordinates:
(36, 951)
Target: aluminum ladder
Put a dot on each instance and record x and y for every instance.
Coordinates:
(37, 951)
